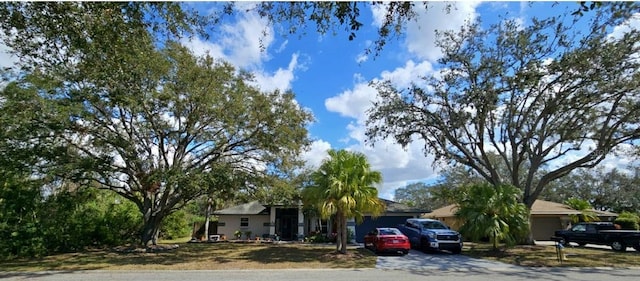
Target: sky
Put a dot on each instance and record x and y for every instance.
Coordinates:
(330, 74)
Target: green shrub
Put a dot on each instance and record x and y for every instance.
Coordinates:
(628, 220)
(20, 234)
(175, 225)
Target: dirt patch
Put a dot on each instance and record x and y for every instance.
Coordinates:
(149, 249)
(349, 256)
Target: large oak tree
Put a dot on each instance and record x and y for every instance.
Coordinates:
(127, 108)
(548, 98)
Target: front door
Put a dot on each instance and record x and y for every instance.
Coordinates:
(287, 225)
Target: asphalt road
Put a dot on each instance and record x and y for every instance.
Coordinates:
(414, 266)
(346, 275)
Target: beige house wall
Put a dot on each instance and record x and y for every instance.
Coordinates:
(228, 224)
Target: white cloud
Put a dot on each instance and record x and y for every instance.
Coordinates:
(352, 103)
(282, 47)
(398, 165)
(246, 40)
(631, 24)
(421, 35)
(242, 43)
(201, 48)
(281, 79)
(316, 153)
(411, 72)
(362, 58)
(245, 44)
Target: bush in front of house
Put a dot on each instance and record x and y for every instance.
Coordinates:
(627, 220)
(317, 237)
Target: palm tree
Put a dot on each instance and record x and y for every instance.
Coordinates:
(342, 188)
(493, 212)
(586, 211)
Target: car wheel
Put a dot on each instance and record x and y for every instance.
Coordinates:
(618, 246)
(406, 252)
(457, 251)
(637, 247)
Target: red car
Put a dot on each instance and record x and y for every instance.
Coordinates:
(387, 240)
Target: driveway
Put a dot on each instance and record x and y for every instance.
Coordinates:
(419, 261)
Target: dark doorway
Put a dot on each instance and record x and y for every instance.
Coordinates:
(287, 223)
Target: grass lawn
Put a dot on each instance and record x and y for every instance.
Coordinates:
(202, 256)
(534, 256)
(211, 256)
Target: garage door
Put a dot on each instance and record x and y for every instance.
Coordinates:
(544, 227)
(370, 223)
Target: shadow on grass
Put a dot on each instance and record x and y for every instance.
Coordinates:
(197, 256)
(303, 254)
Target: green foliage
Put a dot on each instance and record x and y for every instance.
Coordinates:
(328, 15)
(74, 220)
(587, 213)
(176, 225)
(628, 220)
(32, 225)
(605, 189)
(20, 232)
(229, 104)
(343, 188)
(493, 212)
(237, 234)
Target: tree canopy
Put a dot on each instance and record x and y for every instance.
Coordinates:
(532, 94)
(105, 95)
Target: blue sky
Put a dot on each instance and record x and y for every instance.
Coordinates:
(329, 74)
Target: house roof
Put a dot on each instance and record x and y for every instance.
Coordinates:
(605, 213)
(396, 207)
(540, 207)
(251, 208)
(255, 208)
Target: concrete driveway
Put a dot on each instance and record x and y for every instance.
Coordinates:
(419, 261)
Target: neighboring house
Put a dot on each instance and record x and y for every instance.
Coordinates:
(290, 223)
(546, 217)
(395, 213)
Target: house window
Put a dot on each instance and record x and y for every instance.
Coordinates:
(244, 222)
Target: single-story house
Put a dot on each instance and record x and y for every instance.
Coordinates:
(546, 217)
(290, 223)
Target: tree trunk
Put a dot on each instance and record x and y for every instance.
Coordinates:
(338, 232)
(343, 234)
(529, 239)
(151, 230)
(206, 220)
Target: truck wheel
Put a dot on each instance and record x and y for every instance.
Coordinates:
(564, 242)
(415, 243)
(457, 251)
(424, 246)
(618, 246)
